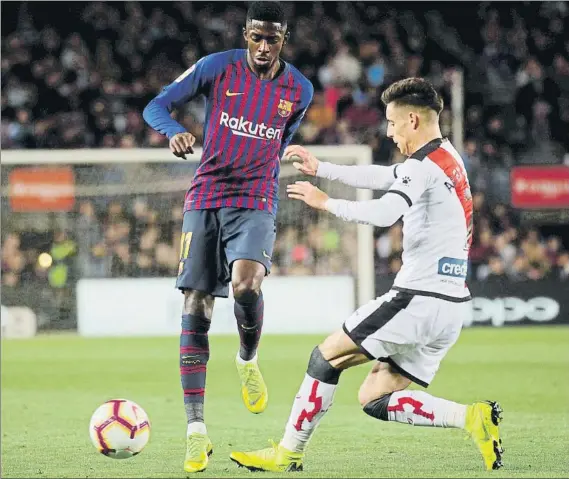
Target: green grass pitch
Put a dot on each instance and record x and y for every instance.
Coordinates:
(52, 384)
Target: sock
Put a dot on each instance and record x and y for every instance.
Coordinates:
(249, 309)
(417, 408)
(196, 427)
(194, 354)
(240, 360)
(314, 398)
(312, 401)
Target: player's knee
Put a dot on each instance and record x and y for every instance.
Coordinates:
(246, 279)
(366, 394)
(195, 324)
(198, 303)
(363, 396)
(374, 385)
(246, 290)
(321, 369)
(377, 407)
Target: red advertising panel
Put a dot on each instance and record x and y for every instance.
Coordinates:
(540, 186)
(42, 189)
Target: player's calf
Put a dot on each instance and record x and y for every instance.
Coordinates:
(314, 398)
(311, 403)
(249, 306)
(249, 312)
(418, 408)
(194, 355)
(384, 397)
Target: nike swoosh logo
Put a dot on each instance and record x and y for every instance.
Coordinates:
(231, 93)
(248, 328)
(252, 403)
(192, 359)
(266, 255)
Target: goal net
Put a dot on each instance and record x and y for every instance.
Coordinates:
(74, 214)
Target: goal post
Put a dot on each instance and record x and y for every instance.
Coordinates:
(457, 108)
(322, 245)
(361, 155)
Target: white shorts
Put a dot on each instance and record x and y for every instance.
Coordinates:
(411, 332)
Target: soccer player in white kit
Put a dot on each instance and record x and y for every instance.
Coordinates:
(408, 330)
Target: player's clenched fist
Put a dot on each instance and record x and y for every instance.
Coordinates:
(182, 144)
(307, 192)
(308, 164)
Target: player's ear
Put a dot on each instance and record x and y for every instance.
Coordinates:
(286, 37)
(245, 33)
(414, 120)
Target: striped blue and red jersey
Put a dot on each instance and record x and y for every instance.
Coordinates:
(248, 124)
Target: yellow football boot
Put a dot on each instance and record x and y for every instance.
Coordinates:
(274, 459)
(482, 424)
(253, 388)
(198, 450)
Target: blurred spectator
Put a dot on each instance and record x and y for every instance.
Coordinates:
(394, 264)
(61, 273)
(121, 265)
(562, 270)
(91, 250)
(481, 250)
(495, 270)
(12, 260)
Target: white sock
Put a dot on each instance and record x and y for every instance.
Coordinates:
(419, 408)
(312, 401)
(243, 361)
(196, 427)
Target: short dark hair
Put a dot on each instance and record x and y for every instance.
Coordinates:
(266, 12)
(413, 92)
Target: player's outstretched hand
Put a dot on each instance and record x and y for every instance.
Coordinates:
(182, 144)
(308, 163)
(307, 192)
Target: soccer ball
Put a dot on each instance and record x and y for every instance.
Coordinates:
(119, 429)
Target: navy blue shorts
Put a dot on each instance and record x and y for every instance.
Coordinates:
(213, 239)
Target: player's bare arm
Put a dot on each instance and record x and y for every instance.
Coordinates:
(373, 177)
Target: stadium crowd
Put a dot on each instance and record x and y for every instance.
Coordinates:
(141, 241)
(80, 78)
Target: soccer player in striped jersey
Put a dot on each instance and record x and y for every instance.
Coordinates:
(255, 102)
(409, 330)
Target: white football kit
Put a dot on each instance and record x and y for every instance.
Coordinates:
(413, 326)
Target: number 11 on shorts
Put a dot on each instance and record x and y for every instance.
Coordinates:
(185, 241)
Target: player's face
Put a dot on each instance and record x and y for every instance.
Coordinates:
(264, 42)
(401, 126)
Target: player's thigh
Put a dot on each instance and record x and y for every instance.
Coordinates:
(382, 379)
(341, 352)
(248, 234)
(393, 326)
(440, 333)
(383, 326)
(203, 266)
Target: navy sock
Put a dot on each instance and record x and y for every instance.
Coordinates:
(249, 310)
(194, 354)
